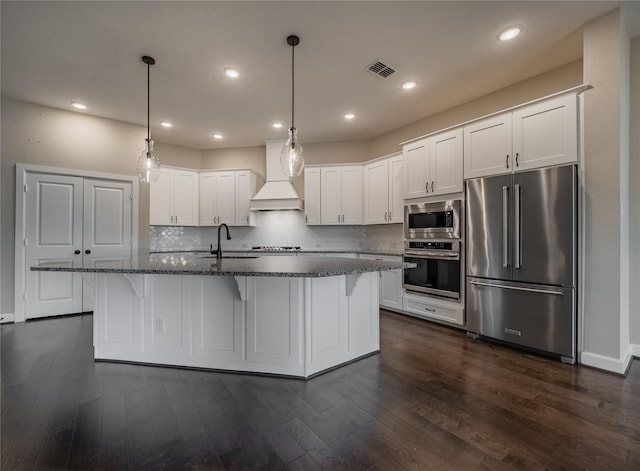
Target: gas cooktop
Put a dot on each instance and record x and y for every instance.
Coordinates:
(276, 248)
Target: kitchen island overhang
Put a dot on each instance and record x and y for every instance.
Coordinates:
(285, 315)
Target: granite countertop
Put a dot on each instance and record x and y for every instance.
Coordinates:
(198, 264)
(391, 253)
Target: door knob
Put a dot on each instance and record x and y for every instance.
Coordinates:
(77, 252)
(87, 251)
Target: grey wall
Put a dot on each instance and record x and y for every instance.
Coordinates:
(44, 136)
(634, 196)
(604, 65)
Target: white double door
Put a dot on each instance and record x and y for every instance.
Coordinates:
(72, 220)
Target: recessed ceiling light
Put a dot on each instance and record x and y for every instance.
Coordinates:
(409, 84)
(349, 116)
(277, 125)
(78, 106)
(510, 33)
(217, 135)
(166, 124)
(231, 72)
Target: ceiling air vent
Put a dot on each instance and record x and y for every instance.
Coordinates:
(381, 69)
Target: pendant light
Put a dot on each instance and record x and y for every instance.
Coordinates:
(148, 165)
(291, 156)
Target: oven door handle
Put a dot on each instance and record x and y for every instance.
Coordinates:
(438, 255)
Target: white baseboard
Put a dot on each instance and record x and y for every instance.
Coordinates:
(614, 365)
(6, 318)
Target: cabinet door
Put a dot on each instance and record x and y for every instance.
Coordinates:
(274, 322)
(446, 162)
(546, 133)
(208, 207)
(363, 314)
(396, 190)
(226, 197)
(245, 190)
(487, 147)
(390, 283)
(416, 163)
(160, 201)
(351, 192)
(185, 197)
(330, 198)
(376, 192)
(312, 195)
(325, 322)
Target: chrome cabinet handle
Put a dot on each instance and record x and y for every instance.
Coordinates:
(517, 222)
(338, 218)
(385, 217)
(427, 187)
(429, 309)
(517, 164)
(505, 228)
(517, 288)
(507, 160)
(306, 218)
(247, 219)
(431, 186)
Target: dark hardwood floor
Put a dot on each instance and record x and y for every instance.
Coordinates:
(432, 399)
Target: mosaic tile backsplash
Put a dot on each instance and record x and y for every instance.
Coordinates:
(286, 228)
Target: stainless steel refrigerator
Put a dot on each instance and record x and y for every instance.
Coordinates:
(521, 259)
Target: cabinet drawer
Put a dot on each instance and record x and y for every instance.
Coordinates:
(427, 310)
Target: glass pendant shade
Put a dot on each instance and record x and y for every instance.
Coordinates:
(292, 156)
(148, 165)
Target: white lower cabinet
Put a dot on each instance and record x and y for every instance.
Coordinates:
(277, 325)
(343, 327)
(390, 283)
(274, 323)
(218, 319)
(433, 309)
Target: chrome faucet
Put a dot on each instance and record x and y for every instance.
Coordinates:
(219, 249)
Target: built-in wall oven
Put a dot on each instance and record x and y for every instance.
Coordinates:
(439, 220)
(438, 268)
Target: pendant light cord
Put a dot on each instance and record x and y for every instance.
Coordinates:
(148, 102)
(293, 52)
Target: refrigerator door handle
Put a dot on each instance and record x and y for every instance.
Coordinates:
(505, 226)
(517, 288)
(517, 254)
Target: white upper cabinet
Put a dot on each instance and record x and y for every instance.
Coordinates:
(383, 192)
(487, 146)
(225, 197)
(341, 195)
(174, 198)
(546, 133)
(246, 188)
(217, 198)
(541, 134)
(184, 197)
(312, 195)
(446, 162)
(433, 165)
(417, 164)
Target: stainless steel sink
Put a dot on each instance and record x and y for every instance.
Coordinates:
(231, 256)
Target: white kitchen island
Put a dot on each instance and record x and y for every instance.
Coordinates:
(294, 316)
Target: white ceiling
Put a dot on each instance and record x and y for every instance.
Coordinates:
(54, 52)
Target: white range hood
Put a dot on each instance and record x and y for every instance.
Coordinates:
(278, 192)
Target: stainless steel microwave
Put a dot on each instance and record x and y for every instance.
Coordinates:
(439, 220)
